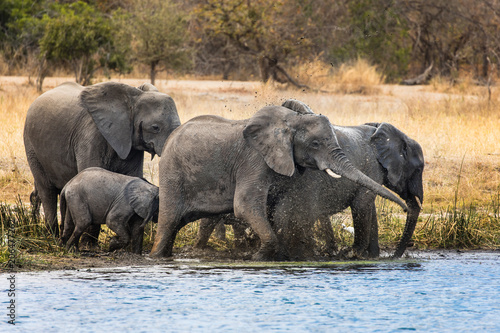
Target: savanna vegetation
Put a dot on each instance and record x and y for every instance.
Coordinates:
(343, 58)
(238, 39)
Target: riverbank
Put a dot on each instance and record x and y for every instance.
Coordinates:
(98, 260)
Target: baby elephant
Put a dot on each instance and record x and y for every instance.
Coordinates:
(98, 196)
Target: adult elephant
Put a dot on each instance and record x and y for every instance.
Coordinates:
(381, 152)
(212, 165)
(107, 125)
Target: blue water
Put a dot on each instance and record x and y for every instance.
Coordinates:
(430, 293)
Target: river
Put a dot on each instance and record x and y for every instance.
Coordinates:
(432, 292)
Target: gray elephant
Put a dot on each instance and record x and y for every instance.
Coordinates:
(212, 165)
(380, 151)
(108, 125)
(97, 196)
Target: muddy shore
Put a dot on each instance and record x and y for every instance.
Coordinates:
(90, 260)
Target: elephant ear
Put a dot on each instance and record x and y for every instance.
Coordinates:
(147, 87)
(141, 196)
(110, 106)
(391, 150)
(297, 106)
(268, 133)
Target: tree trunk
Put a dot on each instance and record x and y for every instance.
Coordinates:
(269, 68)
(42, 72)
(152, 73)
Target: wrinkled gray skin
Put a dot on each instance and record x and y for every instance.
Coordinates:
(107, 125)
(380, 151)
(96, 196)
(212, 165)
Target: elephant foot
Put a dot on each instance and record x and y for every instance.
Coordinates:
(116, 244)
(200, 245)
(349, 254)
(159, 254)
(270, 253)
(61, 242)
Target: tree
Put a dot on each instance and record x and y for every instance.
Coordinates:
(373, 30)
(268, 31)
(20, 30)
(81, 36)
(158, 29)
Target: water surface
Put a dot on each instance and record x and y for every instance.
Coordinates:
(430, 293)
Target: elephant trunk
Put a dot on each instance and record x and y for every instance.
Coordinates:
(344, 167)
(414, 207)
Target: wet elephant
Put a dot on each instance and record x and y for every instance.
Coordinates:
(380, 151)
(213, 165)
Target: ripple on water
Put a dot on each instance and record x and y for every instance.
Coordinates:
(427, 294)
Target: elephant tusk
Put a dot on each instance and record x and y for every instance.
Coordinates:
(418, 202)
(332, 174)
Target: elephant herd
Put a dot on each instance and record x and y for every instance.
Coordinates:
(277, 172)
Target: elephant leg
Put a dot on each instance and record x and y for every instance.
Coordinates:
(118, 221)
(90, 238)
(207, 226)
(165, 238)
(48, 196)
(68, 227)
(136, 235)
(327, 232)
(373, 246)
(169, 224)
(35, 202)
(363, 208)
(250, 206)
(44, 192)
(240, 235)
(220, 231)
(77, 219)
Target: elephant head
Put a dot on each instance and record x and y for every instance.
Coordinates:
(131, 118)
(403, 160)
(286, 139)
(143, 197)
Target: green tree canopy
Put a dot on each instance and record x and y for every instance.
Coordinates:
(158, 30)
(81, 36)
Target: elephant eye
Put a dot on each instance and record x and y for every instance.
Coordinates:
(155, 128)
(315, 144)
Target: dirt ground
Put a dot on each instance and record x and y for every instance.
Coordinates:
(99, 259)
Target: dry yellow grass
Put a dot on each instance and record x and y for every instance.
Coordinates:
(450, 128)
(355, 77)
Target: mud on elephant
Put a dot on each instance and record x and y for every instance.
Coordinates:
(96, 196)
(380, 151)
(107, 125)
(212, 165)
